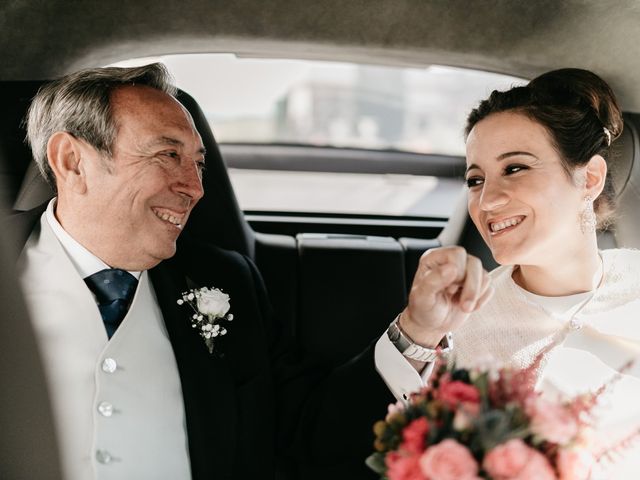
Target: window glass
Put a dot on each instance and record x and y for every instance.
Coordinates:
(251, 100)
(329, 104)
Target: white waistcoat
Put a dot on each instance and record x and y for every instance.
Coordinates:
(117, 403)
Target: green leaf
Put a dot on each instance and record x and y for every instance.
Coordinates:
(375, 462)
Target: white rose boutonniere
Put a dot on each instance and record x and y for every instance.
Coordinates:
(211, 307)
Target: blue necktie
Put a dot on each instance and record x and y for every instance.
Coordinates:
(114, 289)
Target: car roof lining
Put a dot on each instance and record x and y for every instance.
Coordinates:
(517, 38)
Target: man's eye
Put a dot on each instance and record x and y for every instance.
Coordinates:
(474, 181)
(170, 154)
(201, 165)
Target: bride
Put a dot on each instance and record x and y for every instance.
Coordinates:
(539, 187)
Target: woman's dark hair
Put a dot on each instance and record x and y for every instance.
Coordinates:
(580, 112)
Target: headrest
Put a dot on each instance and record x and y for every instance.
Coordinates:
(216, 219)
(625, 169)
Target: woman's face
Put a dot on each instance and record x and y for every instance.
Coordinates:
(524, 204)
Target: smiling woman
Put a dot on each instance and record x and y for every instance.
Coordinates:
(538, 178)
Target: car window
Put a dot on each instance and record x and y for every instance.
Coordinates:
(258, 101)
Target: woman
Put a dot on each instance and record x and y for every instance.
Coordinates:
(539, 185)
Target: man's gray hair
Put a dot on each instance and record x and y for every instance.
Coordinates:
(79, 104)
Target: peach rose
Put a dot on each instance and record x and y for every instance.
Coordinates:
(537, 468)
(574, 464)
(403, 467)
(448, 460)
(413, 435)
(515, 460)
(552, 421)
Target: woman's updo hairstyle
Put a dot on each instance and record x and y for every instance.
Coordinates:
(580, 112)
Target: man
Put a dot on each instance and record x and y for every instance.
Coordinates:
(135, 392)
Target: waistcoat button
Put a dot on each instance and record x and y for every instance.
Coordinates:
(105, 409)
(109, 365)
(103, 457)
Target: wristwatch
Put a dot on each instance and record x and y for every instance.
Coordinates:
(412, 350)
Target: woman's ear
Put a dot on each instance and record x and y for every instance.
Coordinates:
(595, 176)
(65, 159)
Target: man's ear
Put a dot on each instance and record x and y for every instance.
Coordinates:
(65, 159)
(595, 176)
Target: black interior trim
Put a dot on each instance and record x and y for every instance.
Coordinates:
(306, 158)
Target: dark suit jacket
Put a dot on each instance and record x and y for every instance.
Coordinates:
(259, 402)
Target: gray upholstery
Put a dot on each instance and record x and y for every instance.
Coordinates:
(28, 447)
(34, 190)
(626, 169)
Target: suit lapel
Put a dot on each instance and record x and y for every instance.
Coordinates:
(207, 386)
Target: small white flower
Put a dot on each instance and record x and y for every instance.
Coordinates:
(223, 331)
(216, 327)
(194, 316)
(214, 333)
(230, 317)
(207, 335)
(190, 296)
(207, 327)
(180, 301)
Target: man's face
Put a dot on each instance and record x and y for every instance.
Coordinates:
(140, 199)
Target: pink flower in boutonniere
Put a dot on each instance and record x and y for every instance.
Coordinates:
(211, 307)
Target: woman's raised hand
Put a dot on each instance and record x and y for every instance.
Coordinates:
(449, 285)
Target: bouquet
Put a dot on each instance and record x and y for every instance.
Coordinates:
(470, 424)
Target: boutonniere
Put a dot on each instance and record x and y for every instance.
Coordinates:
(211, 307)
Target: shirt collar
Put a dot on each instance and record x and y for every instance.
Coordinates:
(85, 262)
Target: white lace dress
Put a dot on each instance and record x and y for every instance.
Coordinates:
(598, 333)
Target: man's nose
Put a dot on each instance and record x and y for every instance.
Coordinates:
(493, 196)
(189, 181)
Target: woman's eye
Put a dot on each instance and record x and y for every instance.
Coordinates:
(514, 169)
(474, 181)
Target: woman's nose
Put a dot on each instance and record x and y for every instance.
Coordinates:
(493, 196)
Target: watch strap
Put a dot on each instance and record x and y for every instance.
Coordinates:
(413, 350)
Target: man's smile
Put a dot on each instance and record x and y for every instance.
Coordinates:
(170, 216)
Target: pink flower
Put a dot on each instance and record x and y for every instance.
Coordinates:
(515, 460)
(574, 464)
(552, 421)
(537, 468)
(456, 392)
(448, 460)
(413, 435)
(403, 467)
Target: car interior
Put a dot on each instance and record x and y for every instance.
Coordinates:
(349, 272)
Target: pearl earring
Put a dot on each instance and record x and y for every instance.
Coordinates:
(588, 220)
